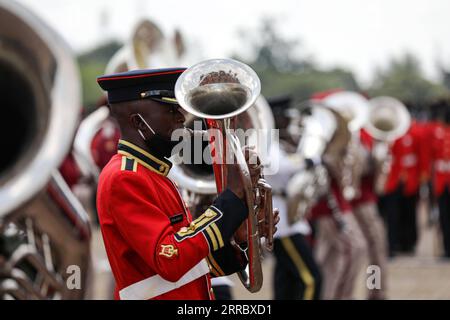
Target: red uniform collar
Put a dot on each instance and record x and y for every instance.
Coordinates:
(158, 165)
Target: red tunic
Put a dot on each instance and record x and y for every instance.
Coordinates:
(322, 207)
(152, 244)
(104, 143)
(428, 128)
(70, 170)
(440, 157)
(407, 161)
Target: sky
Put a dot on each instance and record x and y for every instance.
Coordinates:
(356, 34)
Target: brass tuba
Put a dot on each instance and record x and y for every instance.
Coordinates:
(388, 120)
(44, 231)
(323, 142)
(354, 108)
(220, 91)
(149, 47)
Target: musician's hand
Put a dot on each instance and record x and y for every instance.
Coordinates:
(263, 225)
(240, 236)
(234, 182)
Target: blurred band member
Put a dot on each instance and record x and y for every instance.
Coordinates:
(296, 274)
(430, 127)
(399, 203)
(440, 159)
(339, 242)
(369, 220)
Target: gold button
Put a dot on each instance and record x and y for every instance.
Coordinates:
(161, 168)
(192, 226)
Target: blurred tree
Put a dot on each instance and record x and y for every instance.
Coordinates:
(404, 79)
(284, 69)
(272, 51)
(446, 78)
(301, 85)
(92, 64)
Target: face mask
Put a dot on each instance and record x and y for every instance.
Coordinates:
(157, 144)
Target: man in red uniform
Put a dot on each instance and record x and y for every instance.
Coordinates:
(440, 162)
(398, 205)
(155, 249)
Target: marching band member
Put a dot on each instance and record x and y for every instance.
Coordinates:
(339, 243)
(398, 204)
(369, 220)
(155, 249)
(433, 121)
(440, 160)
(296, 274)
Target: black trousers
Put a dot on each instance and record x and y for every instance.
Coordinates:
(444, 219)
(222, 292)
(296, 275)
(399, 213)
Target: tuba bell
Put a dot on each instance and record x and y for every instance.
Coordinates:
(388, 120)
(221, 91)
(44, 231)
(149, 47)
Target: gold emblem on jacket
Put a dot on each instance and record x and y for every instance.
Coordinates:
(168, 251)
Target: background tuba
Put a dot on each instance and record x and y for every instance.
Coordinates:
(388, 120)
(44, 231)
(349, 166)
(222, 91)
(323, 141)
(148, 47)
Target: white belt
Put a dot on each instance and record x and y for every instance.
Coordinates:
(155, 285)
(442, 166)
(222, 281)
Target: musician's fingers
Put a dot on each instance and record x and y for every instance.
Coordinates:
(276, 220)
(276, 215)
(251, 157)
